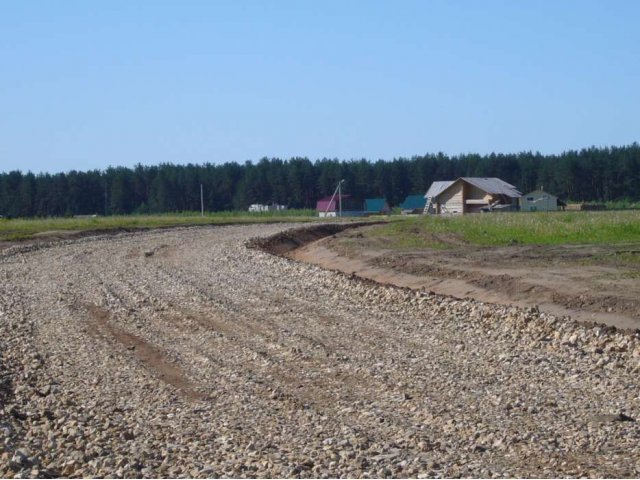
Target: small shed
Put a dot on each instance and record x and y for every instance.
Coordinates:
(538, 201)
(376, 206)
(413, 204)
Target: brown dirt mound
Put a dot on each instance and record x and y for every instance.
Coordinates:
(284, 242)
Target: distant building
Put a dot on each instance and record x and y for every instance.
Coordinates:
(584, 206)
(538, 201)
(413, 204)
(274, 207)
(376, 206)
(471, 195)
(330, 206)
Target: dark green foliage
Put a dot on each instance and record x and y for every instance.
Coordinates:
(593, 174)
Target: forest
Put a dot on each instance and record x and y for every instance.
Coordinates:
(594, 174)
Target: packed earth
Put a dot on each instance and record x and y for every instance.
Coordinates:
(588, 282)
(185, 353)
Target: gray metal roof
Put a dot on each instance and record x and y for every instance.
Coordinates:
(491, 185)
(544, 192)
(437, 188)
(494, 185)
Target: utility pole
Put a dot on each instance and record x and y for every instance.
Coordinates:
(105, 198)
(201, 202)
(337, 191)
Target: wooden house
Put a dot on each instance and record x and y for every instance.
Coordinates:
(431, 196)
(471, 195)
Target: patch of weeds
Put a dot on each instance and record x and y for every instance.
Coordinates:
(504, 229)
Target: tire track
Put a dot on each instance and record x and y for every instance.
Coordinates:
(150, 356)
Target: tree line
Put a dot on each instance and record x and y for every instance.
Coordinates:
(593, 174)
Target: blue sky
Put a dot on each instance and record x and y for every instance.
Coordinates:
(89, 84)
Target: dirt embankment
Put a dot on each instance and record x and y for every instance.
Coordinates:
(584, 282)
(287, 241)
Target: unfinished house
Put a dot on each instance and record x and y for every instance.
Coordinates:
(435, 189)
(471, 195)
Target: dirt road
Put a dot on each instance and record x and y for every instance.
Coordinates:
(183, 353)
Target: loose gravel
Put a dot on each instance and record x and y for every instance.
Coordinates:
(183, 353)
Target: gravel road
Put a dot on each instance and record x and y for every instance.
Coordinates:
(182, 353)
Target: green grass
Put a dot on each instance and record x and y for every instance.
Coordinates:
(24, 229)
(501, 229)
(400, 233)
(622, 205)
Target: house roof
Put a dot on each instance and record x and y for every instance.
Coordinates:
(540, 191)
(336, 197)
(327, 204)
(375, 204)
(491, 185)
(437, 188)
(413, 202)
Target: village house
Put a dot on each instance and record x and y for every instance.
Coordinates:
(340, 205)
(538, 201)
(471, 195)
(376, 206)
(413, 204)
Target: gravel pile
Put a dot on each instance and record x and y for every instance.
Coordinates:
(182, 353)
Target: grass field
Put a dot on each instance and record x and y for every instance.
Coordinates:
(400, 233)
(501, 229)
(24, 229)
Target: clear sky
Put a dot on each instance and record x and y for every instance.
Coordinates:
(88, 84)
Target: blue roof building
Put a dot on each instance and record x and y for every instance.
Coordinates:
(413, 204)
(376, 205)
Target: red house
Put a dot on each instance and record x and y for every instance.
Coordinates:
(330, 206)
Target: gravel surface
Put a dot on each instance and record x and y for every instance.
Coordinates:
(182, 353)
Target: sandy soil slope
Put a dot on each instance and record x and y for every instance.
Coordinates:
(583, 281)
(184, 353)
